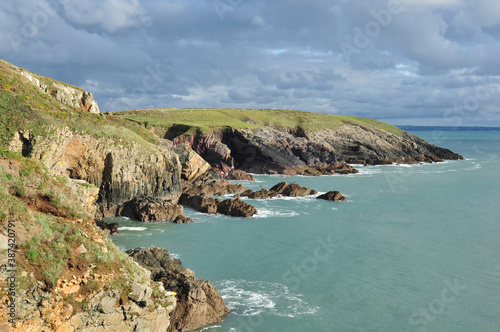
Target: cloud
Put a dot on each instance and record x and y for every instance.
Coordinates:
(111, 15)
(425, 58)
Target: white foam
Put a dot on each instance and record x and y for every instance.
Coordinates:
(250, 298)
(210, 327)
(135, 229)
(268, 213)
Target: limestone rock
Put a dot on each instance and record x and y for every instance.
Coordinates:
(86, 193)
(140, 293)
(80, 250)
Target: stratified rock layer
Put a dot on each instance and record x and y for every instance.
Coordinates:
(121, 171)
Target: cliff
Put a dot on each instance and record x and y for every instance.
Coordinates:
(286, 141)
(68, 276)
(61, 166)
(44, 120)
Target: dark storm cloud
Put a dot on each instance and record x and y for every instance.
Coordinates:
(404, 61)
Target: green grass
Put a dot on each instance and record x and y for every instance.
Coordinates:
(25, 106)
(172, 123)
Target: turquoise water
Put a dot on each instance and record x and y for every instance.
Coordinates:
(415, 248)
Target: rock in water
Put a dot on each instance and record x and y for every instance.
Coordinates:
(237, 174)
(236, 208)
(279, 187)
(198, 302)
(333, 196)
(152, 210)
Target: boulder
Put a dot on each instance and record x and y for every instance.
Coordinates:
(292, 190)
(236, 208)
(237, 174)
(182, 220)
(151, 210)
(201, 202)
(279, 187)
(333, 196)
(261, 194)
(198, 302)
(295, 190)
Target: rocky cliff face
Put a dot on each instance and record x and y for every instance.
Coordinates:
(39, 310)
(64, 93)
(315, 152)
(369, 145)
(198, 302)
(121, 171)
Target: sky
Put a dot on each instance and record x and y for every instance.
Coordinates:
(413, 62)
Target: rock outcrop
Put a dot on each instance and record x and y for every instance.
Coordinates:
(193, 165)
(200, 202)
(236, 208)
(265, 150)
(370, 145)
(107, 310)
(280, 189)
(239, 175)
(210, 148)
(121, 170)
(322, 152)
(335, 196)
(64, 93)
(153, 210)
(198, 302)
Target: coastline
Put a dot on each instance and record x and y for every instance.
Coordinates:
(65, 163)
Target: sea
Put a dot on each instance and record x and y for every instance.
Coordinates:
(414, 248)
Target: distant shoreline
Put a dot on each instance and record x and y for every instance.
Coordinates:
(448, 128)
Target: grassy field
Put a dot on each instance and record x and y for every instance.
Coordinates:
(171, 123)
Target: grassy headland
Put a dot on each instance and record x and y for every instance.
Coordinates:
(171, 123)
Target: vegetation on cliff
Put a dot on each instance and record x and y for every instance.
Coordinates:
(61, 256)
(25, 106)
(171, 123)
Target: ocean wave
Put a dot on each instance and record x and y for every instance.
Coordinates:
(268, 213)
(250, 298)
(135, 229)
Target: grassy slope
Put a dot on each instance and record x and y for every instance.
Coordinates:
(24, 106)
(177, 122)
(50, 225)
